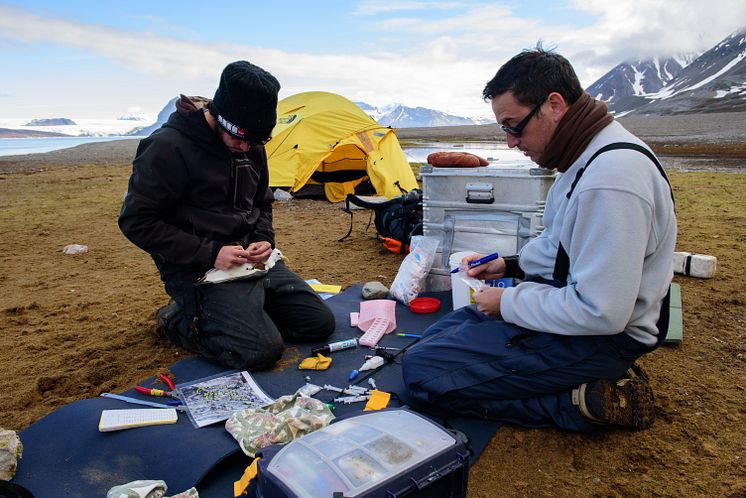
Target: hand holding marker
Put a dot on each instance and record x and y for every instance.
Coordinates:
(480, 261)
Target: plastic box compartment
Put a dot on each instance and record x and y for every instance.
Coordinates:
(388, 453)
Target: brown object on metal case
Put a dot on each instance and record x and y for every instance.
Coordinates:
(456, 160)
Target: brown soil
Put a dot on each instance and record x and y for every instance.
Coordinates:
(73, 326)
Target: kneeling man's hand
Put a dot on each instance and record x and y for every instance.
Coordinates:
(259, 252)
(230, 256)
(488, 300)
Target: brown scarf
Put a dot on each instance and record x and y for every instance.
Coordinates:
(582, 121)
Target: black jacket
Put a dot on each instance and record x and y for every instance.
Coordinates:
(188, 196)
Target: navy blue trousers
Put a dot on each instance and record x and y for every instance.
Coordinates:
(470, 363)
(245, 323)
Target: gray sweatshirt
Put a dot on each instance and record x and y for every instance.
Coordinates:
(619, 231)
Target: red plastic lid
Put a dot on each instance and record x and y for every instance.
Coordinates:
(424, 305)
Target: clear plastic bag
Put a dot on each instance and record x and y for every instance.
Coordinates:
(414, 269)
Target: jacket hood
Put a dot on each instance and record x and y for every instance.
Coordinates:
(189, 120)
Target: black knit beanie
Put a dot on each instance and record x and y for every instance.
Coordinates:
(245, 103)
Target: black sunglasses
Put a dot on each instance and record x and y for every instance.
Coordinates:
(518, 129)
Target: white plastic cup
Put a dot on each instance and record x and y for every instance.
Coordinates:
(461, 293)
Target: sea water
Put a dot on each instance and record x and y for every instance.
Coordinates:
(16, 146)
(493, 152)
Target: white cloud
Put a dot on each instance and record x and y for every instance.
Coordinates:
(390, 76)
(372, 7)
(620, 31)
(145, 52)
(439, 64)
(652, 27)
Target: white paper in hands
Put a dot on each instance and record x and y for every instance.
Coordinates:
(249, 270)
(472, 282)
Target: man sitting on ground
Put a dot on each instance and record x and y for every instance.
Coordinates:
(559, 348)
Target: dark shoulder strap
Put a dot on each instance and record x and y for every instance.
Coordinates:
(617, 146)
(562, 261)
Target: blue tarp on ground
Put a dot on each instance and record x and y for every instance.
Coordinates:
(66, 455)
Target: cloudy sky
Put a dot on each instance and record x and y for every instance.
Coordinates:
(105, 59)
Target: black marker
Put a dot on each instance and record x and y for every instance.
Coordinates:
(335, 346)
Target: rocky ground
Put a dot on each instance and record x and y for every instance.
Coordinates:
(75, 326)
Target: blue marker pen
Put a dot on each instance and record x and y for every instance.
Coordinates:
(480, 261)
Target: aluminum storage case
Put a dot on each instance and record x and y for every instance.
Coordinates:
(488, 209)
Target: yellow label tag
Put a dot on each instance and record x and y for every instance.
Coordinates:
(326, 289)
(239, 487)
(378, 399)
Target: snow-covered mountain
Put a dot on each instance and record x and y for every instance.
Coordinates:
(715, 81)
(51, 122)
(395, 115)
(76, 127)
(627, 85)
(398, 115)
(419, 117)
(373, 112)
(162, 118)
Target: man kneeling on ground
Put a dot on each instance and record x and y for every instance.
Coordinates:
(558, 349)
(199, 198)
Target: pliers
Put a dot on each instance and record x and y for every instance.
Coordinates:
(160, 392)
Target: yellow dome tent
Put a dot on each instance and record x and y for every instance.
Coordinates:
(324, 138)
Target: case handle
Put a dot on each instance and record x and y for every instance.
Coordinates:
(480, 193)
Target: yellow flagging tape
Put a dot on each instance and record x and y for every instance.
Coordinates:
(326, 289)
(378, 400)
(239, 487)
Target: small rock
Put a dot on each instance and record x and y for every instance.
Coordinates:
(11, 450)
(282, 195)
(375, 290)
(709, 450)
(75, 249)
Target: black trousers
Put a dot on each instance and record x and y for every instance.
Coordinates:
(245, 323)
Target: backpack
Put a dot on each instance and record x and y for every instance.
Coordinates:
(396, 220)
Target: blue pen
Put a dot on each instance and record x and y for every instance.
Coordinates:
(480, 261)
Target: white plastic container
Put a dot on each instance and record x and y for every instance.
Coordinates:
(694, 265)
(460, 292)
(364, 456)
